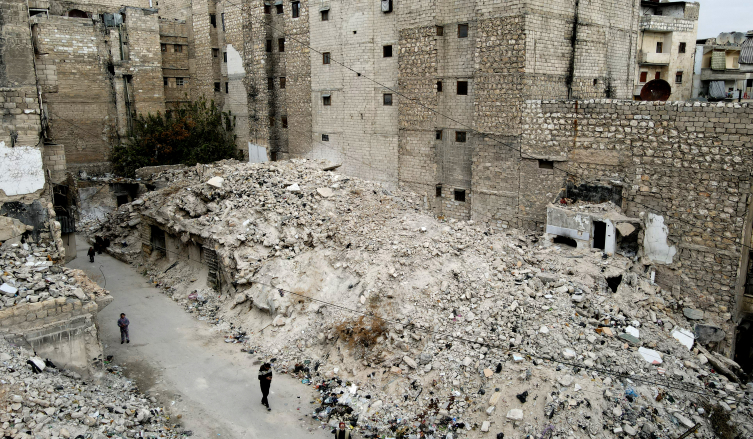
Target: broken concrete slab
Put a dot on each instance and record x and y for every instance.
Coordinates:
(325, 192)
(650, 355)
(706, 334)
(216, 182)
(693, 314)
(685, 337)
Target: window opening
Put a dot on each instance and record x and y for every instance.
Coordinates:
(657, 75)
(387, 99)
(460, 136)
(270, 83)
(178, 48)
(678, 78)
(325, 15)
(439, 86)
(215, 53)
(546, 164)
(165, 81)
(282, 82)
(438, 135)
(387, 51)
(462, 87)
(460, 195)
(325, 137)
(438, 191)
(644, 76)
(227, 87)
(269, 45)
(296, 6)
(213, 20)
(659, 47)
(180, 82)
(279, 9)
(325, 58)
(326, 100)
(463, 31)
(216, 86)
(222, 19)
(284, 121)
(163, 47)
(224, 56)
(440, 31)
(281, 44)
(564, 240)
(682, 48)
(267, 9)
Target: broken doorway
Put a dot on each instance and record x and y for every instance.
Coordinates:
(600, 234)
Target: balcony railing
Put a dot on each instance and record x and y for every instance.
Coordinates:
(661, 59)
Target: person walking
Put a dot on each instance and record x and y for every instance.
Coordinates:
(123, 323)
(265, 380)
(342, 432)
(91, 254)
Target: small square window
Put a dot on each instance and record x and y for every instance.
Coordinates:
(463, 30)
(678, 78)
(282, 82)
(460, 136)
(325, 137)
(325, 58)
(215, 53)
(163, 47)
(180, 82)
(387, 99)
(270, 83)
(460, 195)
(438, 135)
(325, 15)
(296, 8)
(440, 31)
(267, 9)
(682, 48)
(546, 164)
(326, 100)
(284, 120)
(177, 48)
(279, 9)
(438, 190)
(439, 86)
(387, 51)
(224, 56)
(462, 87)
(213, 20)
(227, 87)
(216, 86)
(281, 44)
(269, 46)
(644, 76)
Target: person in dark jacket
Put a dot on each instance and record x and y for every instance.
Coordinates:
(342, 432)
(91, 254)
(265, 380)
(123, 323)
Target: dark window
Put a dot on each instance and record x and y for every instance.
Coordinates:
(657, 75)
(460, 136)
(460, 195)
(325, 58)
(325, 15)
(279, 9)
(440, 31)
(269, 45)
(387, 99)
(296, 9)
(216, 86)
(644, 76)
(462, 87)
(177, 48)
(163, 47)
(213, 20)
(222, 19)
(596, 81)
(281, 44)
(180, 82)
(438, 190)
(227, 87)
(438, 136)
(326, 100)
(165, 81)
(463, 31)
(215, 53)
(659, 47)
(267, 9)
(387, 51)
(224, 56)
(284, 121)
(678, 78)
(683, 47)
(325, 137)
(546, 164)
(270, 83)
(439, 86)
(282, 82)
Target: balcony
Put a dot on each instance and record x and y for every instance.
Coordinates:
(654, 59)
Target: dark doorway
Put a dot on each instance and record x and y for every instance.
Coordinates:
(744, 346)
(564, 240)
(122, 199)
(600, 234)
(158, 239)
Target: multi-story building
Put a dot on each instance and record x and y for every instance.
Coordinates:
(665, 46)
(718, 73)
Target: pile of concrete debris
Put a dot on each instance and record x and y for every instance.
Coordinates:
(484, 332)
(38, 400)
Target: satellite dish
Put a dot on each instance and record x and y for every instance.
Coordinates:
(724, 38)
(656, 90)
(738, 38)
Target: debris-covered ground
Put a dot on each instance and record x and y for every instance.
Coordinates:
(487, 333)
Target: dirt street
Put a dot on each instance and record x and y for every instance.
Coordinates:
(185, 364)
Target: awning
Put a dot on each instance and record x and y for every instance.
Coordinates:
(326, 95)
(746, 50)
(324, 8)
(717, 90)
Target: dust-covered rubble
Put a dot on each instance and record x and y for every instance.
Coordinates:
(486, 333)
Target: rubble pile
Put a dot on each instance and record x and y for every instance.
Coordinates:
(487, 333)
(54, 403)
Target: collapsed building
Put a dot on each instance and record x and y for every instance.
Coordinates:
(406, 323)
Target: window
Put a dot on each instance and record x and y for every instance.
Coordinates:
(269, 45)
(325, 15)
(222, 19)
(326, 100)
(267, 9)
(325, 137)
(546, 164)
(462, 87)
(325, 58)
(644, 76)
(281, 44)
(217, 86)
(387, 99)
(296, 9)
(163, 47)
(165, 81)
(440, 31)
(270, 83)
(279, 9)
(596, 81)
(682, 48)
(439, 86)
(659, 47)
(213, 20)
(460, 195)
(678, 78)
(438, 190)
(284, 121)
(657, 75)
(463, 30)
(224, 56)
(282, 82)
(177, 48)
(438, 135)
(227, 87)
(387, 51)
(180, 82)
(215, 53)
(460, 136)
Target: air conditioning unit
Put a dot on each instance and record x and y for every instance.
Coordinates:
(386, 6)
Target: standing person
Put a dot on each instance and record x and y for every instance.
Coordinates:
(91, 254)
(123, 323)
(342, 432)
(265, 380)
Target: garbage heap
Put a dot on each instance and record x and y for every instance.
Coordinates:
(408, 325)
